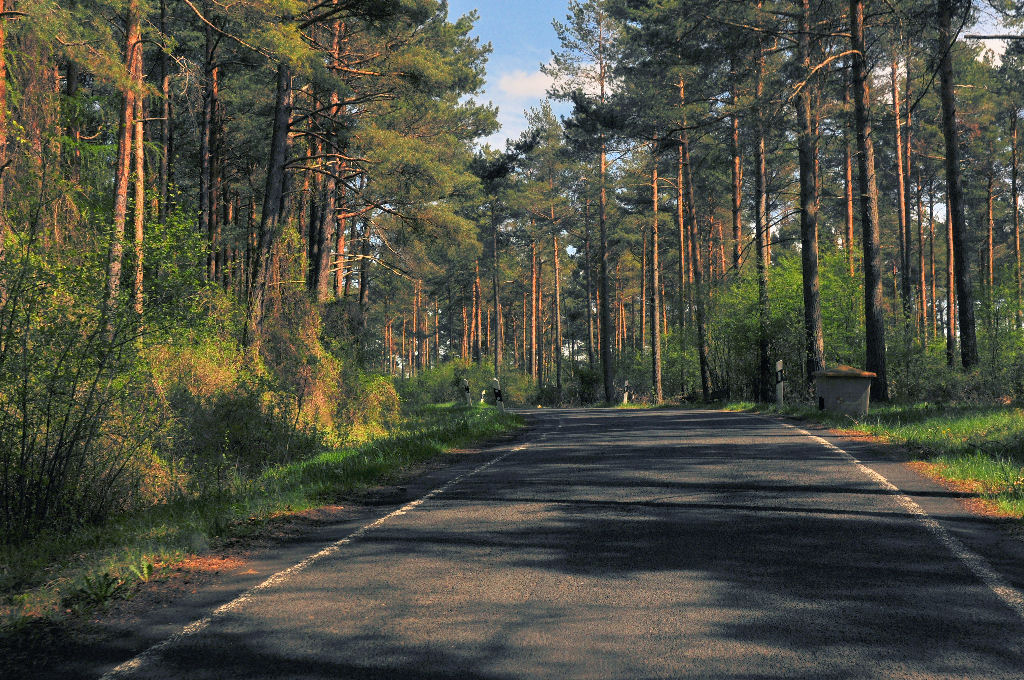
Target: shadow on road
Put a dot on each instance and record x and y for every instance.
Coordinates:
(674, 544)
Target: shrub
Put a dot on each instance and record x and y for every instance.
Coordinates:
(443, 384)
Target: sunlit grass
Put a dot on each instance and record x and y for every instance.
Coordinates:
(981, 445)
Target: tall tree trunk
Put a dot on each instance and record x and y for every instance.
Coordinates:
(848, 138)
(737, 179)
(527, 366)
(907, 198)
(350, 270)
(721, 246)
(534, 372)
(415, 341)
(643, 289)
(437, 332)
(922, 315)
(140, 206)
(166, 124)
(765, 382)
(931, 257)
(465, 335)
(1015, 203)
(406, 356)
(873, 310)
(541, 366)
(417, 325)
(494, 289)
(217, 176)
(695, 261)
(813, 334)
(4, 161)
(950, 289)
(664, 310)
(558, 320)
(326, 233)
(364, 269)
(954, 189)
(207, 217)
(478, 355)
(989, 275)
(990, 225)
(901, 207)
(589, 282)
(681, 223)
(659, 395)
(605, 323)
(311, 198)
(122, 171)
(329, 228)
(339, 244)
(273, 206)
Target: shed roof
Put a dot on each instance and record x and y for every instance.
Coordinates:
(843, 371)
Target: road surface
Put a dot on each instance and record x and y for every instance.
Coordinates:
(639, 544)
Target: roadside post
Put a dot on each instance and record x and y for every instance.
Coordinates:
(625, 392)
(465, 390)
(780, 383)
(498, 401)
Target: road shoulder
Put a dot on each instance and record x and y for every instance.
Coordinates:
(87, 648)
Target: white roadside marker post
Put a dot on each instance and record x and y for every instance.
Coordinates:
(780, 383)
(465, 389)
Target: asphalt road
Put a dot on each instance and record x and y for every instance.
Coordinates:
(640, 544)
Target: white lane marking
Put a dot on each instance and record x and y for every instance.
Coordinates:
(974, 562)
(142, 659)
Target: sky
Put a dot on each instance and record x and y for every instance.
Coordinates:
(521, 35)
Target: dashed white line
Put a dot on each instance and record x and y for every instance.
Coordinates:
(974, 562)
(140, 661)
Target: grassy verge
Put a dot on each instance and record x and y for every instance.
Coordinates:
(982, 446)
(59, 575)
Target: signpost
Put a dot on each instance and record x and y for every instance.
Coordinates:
(780, 383)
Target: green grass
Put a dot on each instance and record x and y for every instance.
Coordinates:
(55, 575)
(983, 445)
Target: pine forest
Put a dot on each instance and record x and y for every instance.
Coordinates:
(238, 235)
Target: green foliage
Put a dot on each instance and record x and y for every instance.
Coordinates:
(93, 591)
(431, 431)
(443, 384)
(68, 439)
(142, 569)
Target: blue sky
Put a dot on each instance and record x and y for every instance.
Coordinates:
(522, 37)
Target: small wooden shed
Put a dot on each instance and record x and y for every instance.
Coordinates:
(843, 389)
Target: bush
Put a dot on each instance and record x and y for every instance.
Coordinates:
(443, 384)
(74, 421)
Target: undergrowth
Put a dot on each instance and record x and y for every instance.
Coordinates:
(72, 573)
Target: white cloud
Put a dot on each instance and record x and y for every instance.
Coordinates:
(512, 125)
(519, 85)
